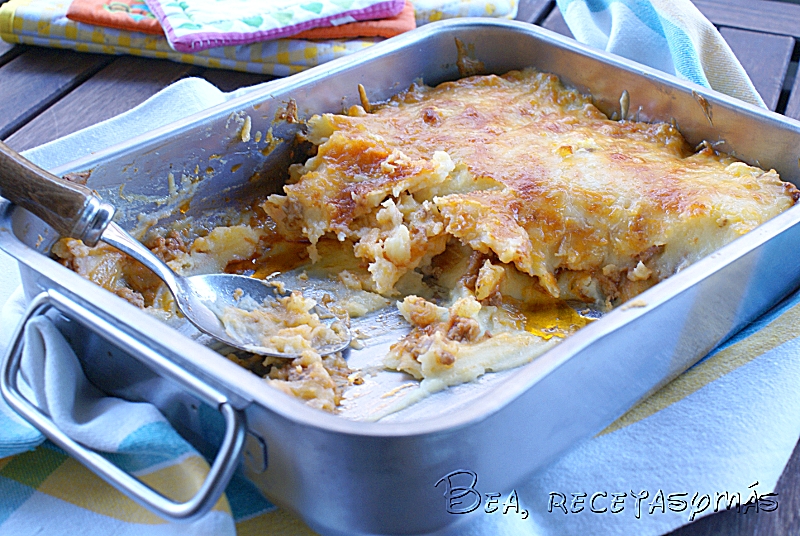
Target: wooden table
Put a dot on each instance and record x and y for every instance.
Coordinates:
(48, 93)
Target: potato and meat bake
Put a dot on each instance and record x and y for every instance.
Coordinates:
(488, 210)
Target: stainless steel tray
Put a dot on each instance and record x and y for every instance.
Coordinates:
(348, 477)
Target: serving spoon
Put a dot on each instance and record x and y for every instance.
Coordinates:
(73, 210)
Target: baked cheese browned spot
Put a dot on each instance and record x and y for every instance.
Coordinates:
(521, 168)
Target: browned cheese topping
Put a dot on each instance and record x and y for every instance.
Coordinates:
(520, 168)
(508, 194)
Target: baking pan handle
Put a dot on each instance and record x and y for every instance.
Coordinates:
(227, 458)
(71, 209)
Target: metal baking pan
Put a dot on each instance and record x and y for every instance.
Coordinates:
(344, 476)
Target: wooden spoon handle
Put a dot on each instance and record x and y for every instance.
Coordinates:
(70, 209)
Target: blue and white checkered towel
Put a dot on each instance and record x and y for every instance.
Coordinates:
(669, 35)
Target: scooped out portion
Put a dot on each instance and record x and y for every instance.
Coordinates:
(287, 325)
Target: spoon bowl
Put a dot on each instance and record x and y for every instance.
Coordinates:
(205, 295)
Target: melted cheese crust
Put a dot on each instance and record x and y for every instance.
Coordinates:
(519, 168)
(512, 194)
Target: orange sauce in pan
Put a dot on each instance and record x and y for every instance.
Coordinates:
(556, 320)
(280, 256)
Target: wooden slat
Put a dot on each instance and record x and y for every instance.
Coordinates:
(232, 80)
(533, 10)
(34, 80)
(765, 57)
(118, 87)
(793, 106)
(8, 52)
(555, 22)
(5, 48)
(760, 15)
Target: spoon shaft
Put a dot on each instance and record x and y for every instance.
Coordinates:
(115, 236)
(70, 209)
